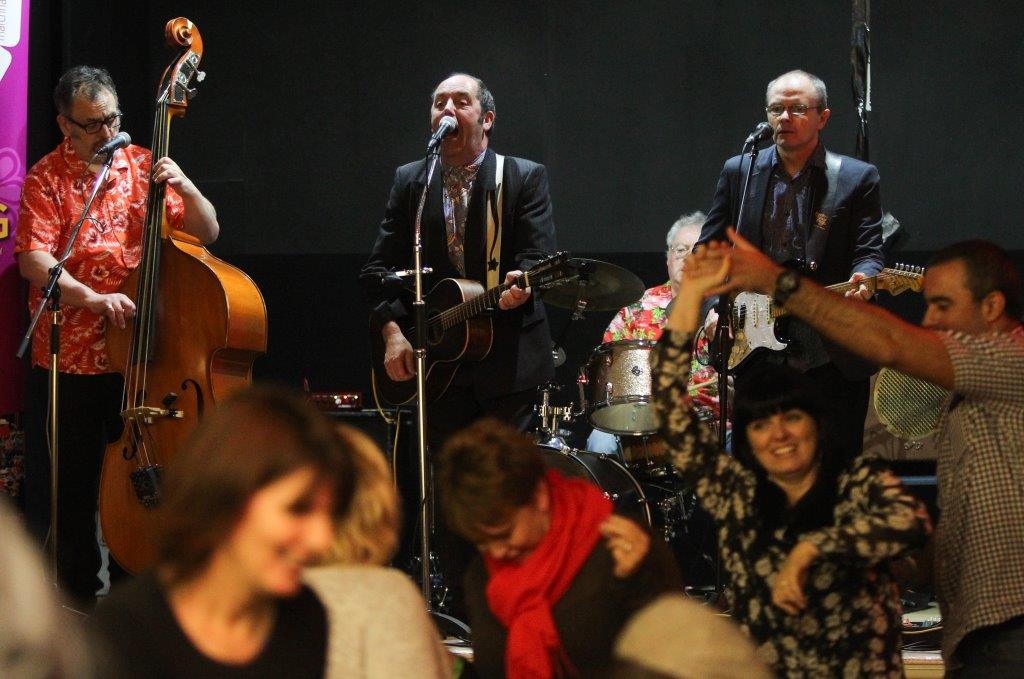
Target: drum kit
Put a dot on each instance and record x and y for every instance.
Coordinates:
(614, 395)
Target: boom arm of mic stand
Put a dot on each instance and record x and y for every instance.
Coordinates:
(57, 269)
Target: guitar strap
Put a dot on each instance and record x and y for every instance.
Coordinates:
(494, 217)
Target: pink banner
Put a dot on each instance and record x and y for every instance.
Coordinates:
(13, 115)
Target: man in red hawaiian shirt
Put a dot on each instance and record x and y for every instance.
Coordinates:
(645, 319)
(108, 249)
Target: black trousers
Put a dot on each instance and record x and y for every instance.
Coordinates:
(991, 652)
(89, 409)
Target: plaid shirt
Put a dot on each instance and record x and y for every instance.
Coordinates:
(979, 554)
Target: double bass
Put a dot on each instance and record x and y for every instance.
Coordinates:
(199, 325)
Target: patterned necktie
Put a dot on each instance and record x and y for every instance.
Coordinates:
(457, 183)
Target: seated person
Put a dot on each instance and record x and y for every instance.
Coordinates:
(548, 595)
(251, 499)
(644, 320)
(808, 541)
(378, 619)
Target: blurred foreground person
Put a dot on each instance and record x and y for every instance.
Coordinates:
(808, 542)
(36, 637)
(676, 637)
(252, 499)
(378, 619)
(558, 574)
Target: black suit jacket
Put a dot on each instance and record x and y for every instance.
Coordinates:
(851, 241)
(520, 358)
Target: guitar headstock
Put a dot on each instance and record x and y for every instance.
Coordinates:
(550, 271)
(176, 84)
(901, 278)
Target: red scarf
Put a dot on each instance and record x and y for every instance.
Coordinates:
(521, 594)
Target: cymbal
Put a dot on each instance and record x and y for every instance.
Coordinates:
(598, 286)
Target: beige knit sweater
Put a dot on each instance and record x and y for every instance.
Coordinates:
(379, 625)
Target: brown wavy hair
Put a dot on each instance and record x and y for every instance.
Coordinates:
(486, 472)
(253, 438)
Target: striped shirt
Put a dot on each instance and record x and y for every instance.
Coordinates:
(979, 553)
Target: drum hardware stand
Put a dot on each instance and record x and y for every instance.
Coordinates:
(548, 431)
(51, 298)
(428, 584)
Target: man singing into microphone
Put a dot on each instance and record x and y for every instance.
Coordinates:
(806, 203)
(108, 249)
(455, 245)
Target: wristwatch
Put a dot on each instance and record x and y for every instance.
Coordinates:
(786, 284)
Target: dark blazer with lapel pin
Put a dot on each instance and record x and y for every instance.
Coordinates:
(851, 241)
(520, 358)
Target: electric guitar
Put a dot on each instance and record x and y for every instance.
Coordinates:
(754, 314)
(458, 329)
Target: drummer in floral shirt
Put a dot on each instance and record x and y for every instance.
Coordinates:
(645, 319)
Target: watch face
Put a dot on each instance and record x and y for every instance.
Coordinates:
(787, 280)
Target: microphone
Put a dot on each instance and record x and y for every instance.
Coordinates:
(761, 132)
(446, 127)
(118, 141)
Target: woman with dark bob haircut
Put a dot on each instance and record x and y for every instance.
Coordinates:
(808, 542)
(250, 500)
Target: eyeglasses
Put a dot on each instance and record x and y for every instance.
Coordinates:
(113, 121)
(776, 110)
(680, 251)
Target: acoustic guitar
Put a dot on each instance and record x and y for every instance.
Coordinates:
(459, 328)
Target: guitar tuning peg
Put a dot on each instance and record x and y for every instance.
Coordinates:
(200, 76)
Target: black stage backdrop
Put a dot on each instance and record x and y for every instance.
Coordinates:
(309, 107)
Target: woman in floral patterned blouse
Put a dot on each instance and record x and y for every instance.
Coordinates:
(807, 544)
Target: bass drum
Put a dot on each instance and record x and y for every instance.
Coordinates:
(606, 473)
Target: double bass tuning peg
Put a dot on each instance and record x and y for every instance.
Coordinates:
(200, 76)
(191, 93)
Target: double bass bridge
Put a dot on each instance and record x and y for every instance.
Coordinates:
(147, 414)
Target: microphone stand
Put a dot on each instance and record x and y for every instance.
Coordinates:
(51, 298)
(419, 343)
(723, 340)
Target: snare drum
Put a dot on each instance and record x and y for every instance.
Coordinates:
(618, 379)
(646, 452)
(606, 473)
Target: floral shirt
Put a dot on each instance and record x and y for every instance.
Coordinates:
(645, 320)
(852, 623)
(108, 249)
